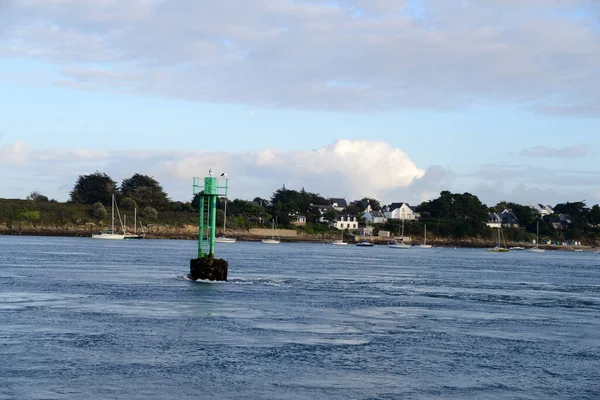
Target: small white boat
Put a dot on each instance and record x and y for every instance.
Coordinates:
(536, 249)
(110, 234)
(424, 245)
(398, 245)
(340, 242)
(135, 234)
(517, 248)
(272, 239)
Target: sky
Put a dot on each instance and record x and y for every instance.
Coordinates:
(392, 99)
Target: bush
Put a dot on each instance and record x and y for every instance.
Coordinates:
(128, 203)
(99, 211)
(150, 213)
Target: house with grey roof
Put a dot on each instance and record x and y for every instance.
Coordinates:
(338, 203)
(374, 217)
(542, 209)
(401, 211)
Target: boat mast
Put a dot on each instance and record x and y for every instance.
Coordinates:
(134, 221)
(425, 239)
(112, 230)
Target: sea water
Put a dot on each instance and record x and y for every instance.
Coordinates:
(91, 319)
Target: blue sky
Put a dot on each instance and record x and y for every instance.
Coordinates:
(476, 98)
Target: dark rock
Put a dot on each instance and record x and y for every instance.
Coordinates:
(208, 268)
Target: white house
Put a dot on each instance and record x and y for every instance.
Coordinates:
(338, 204)
(345, 222)
(374, 217)
(401, 211)
(299, 219)
(495, 221)
(543, 210)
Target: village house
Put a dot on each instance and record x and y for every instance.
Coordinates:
(345, 222)
(338, 204)
(561, 222)
(299, 220)
(401, 211)
(509, 220)
(374, 217)
(543, 210)
(365, 231)
(494, 221)
(505, 219)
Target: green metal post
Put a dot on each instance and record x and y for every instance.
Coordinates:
(213, 223)
(201, 227)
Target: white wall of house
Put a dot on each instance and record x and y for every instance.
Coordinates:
(404, 212)
(345, 223)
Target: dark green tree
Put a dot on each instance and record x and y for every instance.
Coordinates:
(594, 216)
(128, 203)
(150, 213)
(145, 190)
(93, 188)
(458, 215)
(37, 196)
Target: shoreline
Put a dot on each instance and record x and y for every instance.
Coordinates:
(168, 233)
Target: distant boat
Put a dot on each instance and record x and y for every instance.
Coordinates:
(536, 249)
(110, 234)
(133, 235)
(399, 245)
(499, 248)
(272, 239)
(222, 238)
(424, 245)
(340, 242)
(517, 248)
(365, 243)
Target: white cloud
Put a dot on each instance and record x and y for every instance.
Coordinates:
(346, 168)
(351, 55)
(16, 153)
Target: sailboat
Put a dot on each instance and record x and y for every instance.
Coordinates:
(340, 242)
(133, 235)
(499, 248)
(424, 245)
(111, 233)
(536, 249)
(272, 239)
(399, 245)
(223, 238)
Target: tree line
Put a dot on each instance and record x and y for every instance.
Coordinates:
(449, 215)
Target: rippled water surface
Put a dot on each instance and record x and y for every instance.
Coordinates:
(87, 319)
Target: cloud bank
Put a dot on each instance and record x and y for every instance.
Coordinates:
(346, 168)
(350, 55)
(565, 152)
